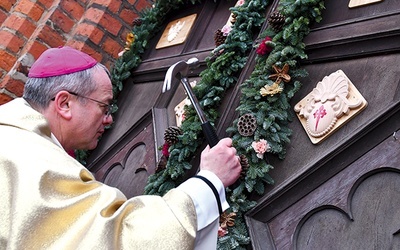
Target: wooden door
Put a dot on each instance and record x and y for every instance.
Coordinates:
(343, 192)
(334, 195)
(129, 152)
(129, 168)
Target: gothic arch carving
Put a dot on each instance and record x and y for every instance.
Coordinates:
(369, 221)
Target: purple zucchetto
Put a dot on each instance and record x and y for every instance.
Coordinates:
(60, 61)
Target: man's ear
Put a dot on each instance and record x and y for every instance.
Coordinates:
(62, 104)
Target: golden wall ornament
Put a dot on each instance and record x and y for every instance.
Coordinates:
(332, 103)
(176, 31)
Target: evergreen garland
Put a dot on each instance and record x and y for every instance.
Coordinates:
(151, 20)
(272, 112)
(220, 75)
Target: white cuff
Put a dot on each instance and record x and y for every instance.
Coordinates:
(203, 197)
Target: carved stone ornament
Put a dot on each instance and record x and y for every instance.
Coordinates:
(332, 103)
(180, 108)
(176, 32)
(357, 3)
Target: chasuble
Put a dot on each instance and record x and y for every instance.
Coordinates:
(50, 201)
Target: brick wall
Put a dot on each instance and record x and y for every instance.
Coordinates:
(28, 27)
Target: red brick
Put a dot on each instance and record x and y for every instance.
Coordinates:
(111, 24)
(62, 21)
(29, 8)
(141, 4)
(75, 44)
(7, 60)
(79, 45)
(4, 98)
(11, 41)
(114, 6)
(14, 86)
(104, 3)
(7, 4)
(94, 15)
(128, 16)
(90, 31)
(3, 16)
(92, 52)
(73, 8)
(35, 48)
(51, 37)
(46, 3)
(20, 24)
(111, 47)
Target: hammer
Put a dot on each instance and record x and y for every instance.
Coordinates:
(178, 72)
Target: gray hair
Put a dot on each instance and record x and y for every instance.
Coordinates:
(40, 91)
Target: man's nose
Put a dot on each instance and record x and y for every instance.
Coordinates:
(108, 120)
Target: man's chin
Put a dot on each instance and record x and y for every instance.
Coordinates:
(93, 146)
(89, 147)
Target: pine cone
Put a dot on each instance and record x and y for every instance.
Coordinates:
(233, 21)
(219, 38)
(244, 162)
(247, 124)
(276, 20)
(162, 164)
(137, 22)
(171, 134)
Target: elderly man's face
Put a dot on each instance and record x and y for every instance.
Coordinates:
(91, 118)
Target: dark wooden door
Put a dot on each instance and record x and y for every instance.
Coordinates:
(130, 167)
(343, 192)
(339, 194)
(129, 152)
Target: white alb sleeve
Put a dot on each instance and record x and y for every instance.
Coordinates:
(206, 207)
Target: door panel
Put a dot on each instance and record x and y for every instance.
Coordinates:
(369, 219)
(349, 33)
(357, 208)
(353, 207)
(129, 168)
(339, 194)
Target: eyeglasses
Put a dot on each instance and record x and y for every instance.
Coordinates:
(109, 107)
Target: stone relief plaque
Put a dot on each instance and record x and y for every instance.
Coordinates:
(180, 111)
(357, 3)
(176, 32)
(332, 103)
(180, 108)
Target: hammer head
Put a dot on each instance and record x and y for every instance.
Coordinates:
(178, 71)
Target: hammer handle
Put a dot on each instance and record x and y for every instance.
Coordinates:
(210, 134)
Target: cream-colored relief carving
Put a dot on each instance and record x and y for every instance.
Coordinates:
(331, 103)
(176, 31)
(357, 3)
(180, 108)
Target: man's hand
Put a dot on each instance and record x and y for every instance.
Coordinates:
(222, 161)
